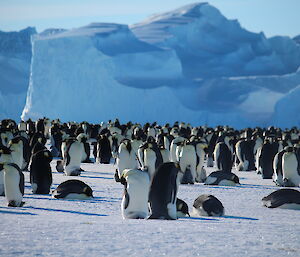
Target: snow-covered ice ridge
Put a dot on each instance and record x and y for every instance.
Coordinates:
(15, 58)
(188, 64)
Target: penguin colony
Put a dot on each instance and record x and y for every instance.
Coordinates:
(151, 162)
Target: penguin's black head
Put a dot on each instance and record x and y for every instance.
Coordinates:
(15, 140)
(88, 191)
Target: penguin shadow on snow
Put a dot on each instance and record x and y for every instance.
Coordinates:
(218, 218)
(104, 199)
(7, 210)
(64, 211)
(258, 186)
(84, 176)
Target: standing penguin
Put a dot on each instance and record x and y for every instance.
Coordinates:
(13, 184)
(277, 166)
(40, 170)
(173, 147)
(150, 156)
(126, 158)
(201, 148)
(266, 158)
(21, 151)
(211, 138)
(73, 156)
(188, 161)
(223, 157)
(245, 154)
(103, 150)
(163, 192)
(290, 168)
(136, 190)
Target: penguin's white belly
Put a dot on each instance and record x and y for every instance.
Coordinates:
(289, 169)
(75, 153)
(149, 161)
(12, 189)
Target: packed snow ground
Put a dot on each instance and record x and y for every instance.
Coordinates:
(50, 227)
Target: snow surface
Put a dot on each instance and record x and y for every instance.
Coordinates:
(50, 227)
(189, 64)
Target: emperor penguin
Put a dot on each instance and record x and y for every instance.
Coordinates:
(223, 157)
(13, 184)
(40, 170)
(73, 189)
(136, 190)
(163, 192)
(5, 136)
(182, 208)
(277, 166)
(208, 205)
(222, 178)
(115, 141)
(283, 198)
(103, 149)
(211, 138)
(73, 156)
(150, 156)
(266, 158)
(13, 178)
(201, 148)
(245, 153)
(126, 158)
(290, 168)
(188, 162)
(87, 148)
(173, 147)
(21, 151)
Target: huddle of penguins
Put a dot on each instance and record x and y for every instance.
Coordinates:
(155, 160)
(23, 148)
(151, 160)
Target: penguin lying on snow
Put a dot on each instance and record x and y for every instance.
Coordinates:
(208, 205)
(283, 198)
(222, 178)
(73, 189)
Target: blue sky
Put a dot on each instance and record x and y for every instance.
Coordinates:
(273, 17)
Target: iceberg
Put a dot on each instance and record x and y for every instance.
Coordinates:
(190, 64)
(15, 58)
